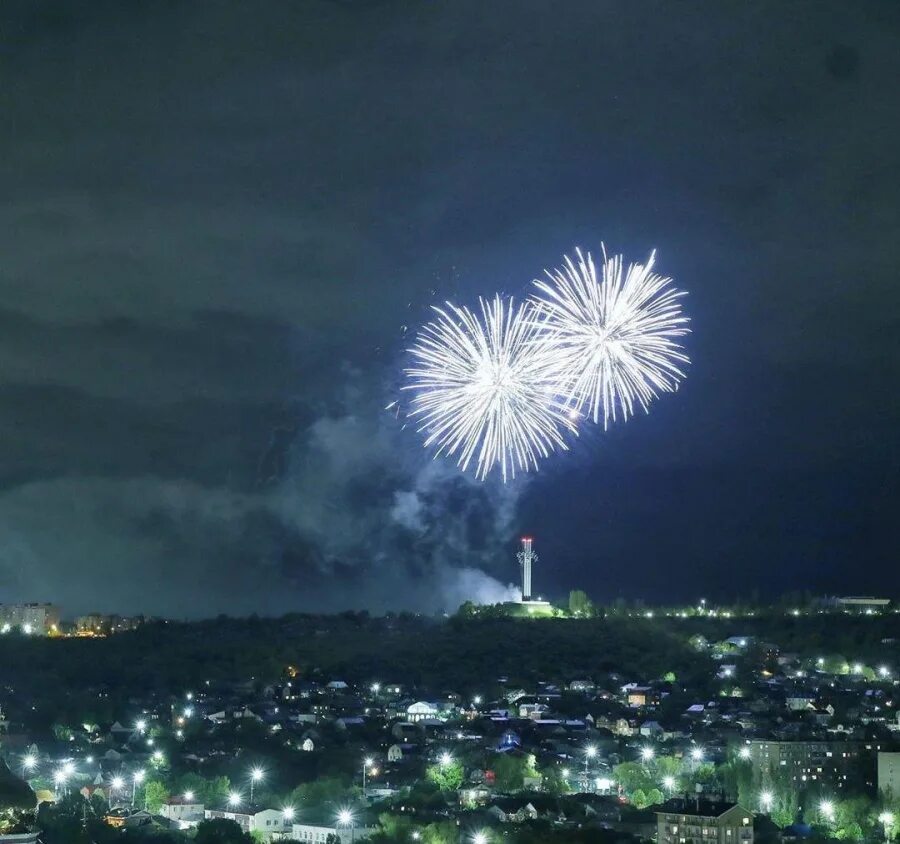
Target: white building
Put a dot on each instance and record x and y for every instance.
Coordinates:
(39, 619)
(310, 833)
(889, 775)
(186, 813)
(422, 710)
(265, 821)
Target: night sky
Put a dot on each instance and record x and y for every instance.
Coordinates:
(220, 224)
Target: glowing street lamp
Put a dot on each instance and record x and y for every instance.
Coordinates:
(29, 762)
(256, 775)
(445, 759)
(345, 819)
(884, 671)
(589, 753)
(368, 762)
(157, 756)
(140, 725)
(376, 688)
(234, 799)
(826, 808)
(288, 813)
(476, 700)
(136, 780)
(188, 796)
(744, 753)
(480, 838)
(697, 754)
(669, 783)
(60, 776)
(766, 799)
(647, 753)
(887, 821)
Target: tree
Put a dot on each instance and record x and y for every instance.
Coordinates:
(580, 604)
(510, 771)
(633, 777)
(221, 831)
(447, 776)
(155, 794)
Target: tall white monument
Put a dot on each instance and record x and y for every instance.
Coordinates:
(526, 558)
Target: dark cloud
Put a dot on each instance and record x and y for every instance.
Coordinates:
(219, 222)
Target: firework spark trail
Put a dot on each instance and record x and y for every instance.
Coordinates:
(484, 387)
(616, 337)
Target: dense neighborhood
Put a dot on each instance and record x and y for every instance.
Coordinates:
(745, 737)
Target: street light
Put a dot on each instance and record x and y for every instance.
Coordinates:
(647, 753)
(344, 819)
(140, 725)
(29, 762)
(376, 688)
(480, 838)
(368, 762)
(135, 781)
(826, 807)
(669, 783)
(288, 813)
(887, 821)
(445, 759)
(766, 799)
(256, 774)
(188, 796)
(234, 799)
(744, 753)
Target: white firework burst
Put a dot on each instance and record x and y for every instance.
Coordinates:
(616, 336)
(483, 387)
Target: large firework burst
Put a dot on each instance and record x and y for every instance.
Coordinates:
(615, 336)
(483, 388)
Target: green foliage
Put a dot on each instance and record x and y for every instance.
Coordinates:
(221, 831)
(210, 792)
(633, 777)
(510, 771)
(580, 605)
(446, 777)
(323, 793)
(155, 794)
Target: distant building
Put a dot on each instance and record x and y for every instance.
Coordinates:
(836, 764)
(97, 624)
(703, 822)
(889, 775)
(185, 813)
(39, 619)
(864, 604)
(268, 822)
(421, 711)
(311, 833)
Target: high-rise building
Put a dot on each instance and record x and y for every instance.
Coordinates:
(889, 775)
(39, 619)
